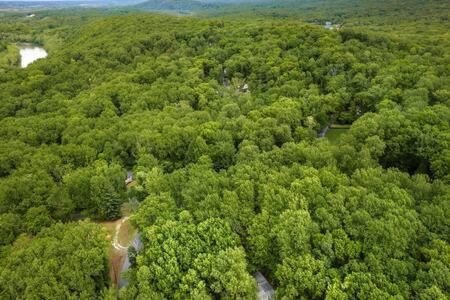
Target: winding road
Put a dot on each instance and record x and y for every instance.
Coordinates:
(116, 244)
(136, 243)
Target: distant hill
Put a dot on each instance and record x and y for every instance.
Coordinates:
(32, 5)
(176, 5)
(196, 5)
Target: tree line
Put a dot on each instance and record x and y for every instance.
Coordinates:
(218, 119)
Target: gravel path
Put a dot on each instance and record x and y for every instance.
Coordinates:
(115, 241)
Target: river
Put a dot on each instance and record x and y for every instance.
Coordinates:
(30, 53)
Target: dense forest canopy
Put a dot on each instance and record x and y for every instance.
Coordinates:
(218, 119)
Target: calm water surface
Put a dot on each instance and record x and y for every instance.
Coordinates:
(29, 54)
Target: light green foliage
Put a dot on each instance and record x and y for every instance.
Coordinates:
(9, 56)
(36, 218)
(186, 261)
(301, 277)
(63, 261)
(218, 120)
(10, 227)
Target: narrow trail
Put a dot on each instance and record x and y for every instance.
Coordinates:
(115, 241)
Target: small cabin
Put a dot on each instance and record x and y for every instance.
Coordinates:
(328, 25)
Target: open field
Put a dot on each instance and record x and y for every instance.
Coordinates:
(334, 134)
(340, 126)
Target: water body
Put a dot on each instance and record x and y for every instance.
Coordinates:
(30, 53)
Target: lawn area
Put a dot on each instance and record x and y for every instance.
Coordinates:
(334, 134)
(340, 126)
(126, 233)
(110, 227)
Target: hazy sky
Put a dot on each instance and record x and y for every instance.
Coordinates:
(73, 0)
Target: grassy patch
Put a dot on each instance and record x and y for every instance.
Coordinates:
(110, 227)
(126, 233)
(334, 134)
(340, 126)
